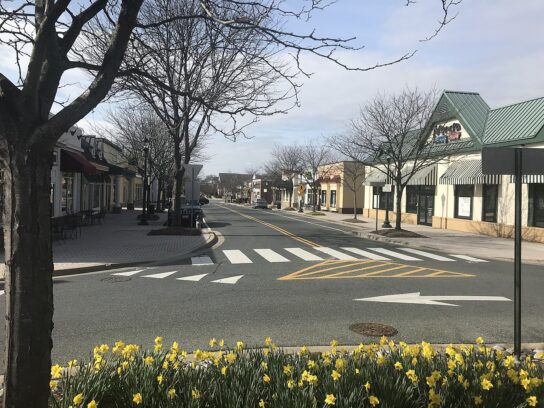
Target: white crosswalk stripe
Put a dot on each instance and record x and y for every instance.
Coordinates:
(469, 258)
(271, 256)
(304, 255)
(394, 254)
(128, 273)
(336, 254)
(231, 281)
(427, 254)
(194, 278)
(236, 257)
(366, 254)
(201, 260)
(161, 275)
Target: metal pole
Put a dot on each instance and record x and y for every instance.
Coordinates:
(192, 193)
(386, 223)
(143, 220)
(517, 254)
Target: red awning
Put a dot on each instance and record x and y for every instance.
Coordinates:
(74, 162)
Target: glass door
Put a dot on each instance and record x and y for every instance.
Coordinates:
(426, 206)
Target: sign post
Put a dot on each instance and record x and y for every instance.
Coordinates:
(193, 170)
(517, 162)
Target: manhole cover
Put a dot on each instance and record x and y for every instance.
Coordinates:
(115, 279)
(373, 329)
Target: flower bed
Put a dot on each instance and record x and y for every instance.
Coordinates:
(373, 375)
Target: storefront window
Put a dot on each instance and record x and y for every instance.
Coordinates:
(96, 195)
(324, 198)
(490, 197)
(464, 195)
(411, 199)
(67, 194)
(383, 198)
(333, 198)
(311, 199)
(536, 205)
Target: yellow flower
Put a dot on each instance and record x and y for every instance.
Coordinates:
(92, 404)
(72, 363)
(451, 364)
(381, 359)
(212, 342)
(148, 360)
(398, 366)
(266, 378)
(411, 374)
(431, 381)
(78, 399)
(239, 345)
(118, 347)
(373, 400)
(335, 375)
(262, 404)
(330, 399)
(414, 361)
(221, 343)
(268, 342)
(357, 371)
(478, 400)
(290, 384)
(303, 350)
(171, 393)
(137, 398)
(383, 340)
(486, 384)
(434, 398)
(466, 384)
(460, 360)
(104, 348)
(264, 365)
(288, 369)
(159, 379)
(532, 401)
(230, 357)
(224, 370)
(195, 393)
(311, 364)
(479, 340)
(53, 384)
(339, 364)
(56, 371)
(367, 386)
(158, 340)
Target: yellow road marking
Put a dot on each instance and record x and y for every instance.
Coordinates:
(353, 270)
(394, 268)
(409, 272)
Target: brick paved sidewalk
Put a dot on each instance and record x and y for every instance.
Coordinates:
(464, 243)
(119, 239)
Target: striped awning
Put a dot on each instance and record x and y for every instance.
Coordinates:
(423, 177)
(529, 179)
(468, 172)
(374, 177)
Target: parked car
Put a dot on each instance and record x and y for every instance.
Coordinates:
(260, 203)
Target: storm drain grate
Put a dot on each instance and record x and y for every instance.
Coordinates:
(115, 279)
(373, 329)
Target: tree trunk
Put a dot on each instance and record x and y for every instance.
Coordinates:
(176, 220)
(291, 186)
(398, 215)
(159, 190)
(28, 277)
(355, 203)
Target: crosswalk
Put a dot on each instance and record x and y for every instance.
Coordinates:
(320, 253)
(229, 280)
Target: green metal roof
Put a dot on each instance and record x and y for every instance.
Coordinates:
(514, 123)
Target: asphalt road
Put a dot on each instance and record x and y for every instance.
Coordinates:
(291, 286)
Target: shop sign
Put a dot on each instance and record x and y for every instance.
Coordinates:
(445, 134)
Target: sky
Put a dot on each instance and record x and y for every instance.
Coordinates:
(494, 47)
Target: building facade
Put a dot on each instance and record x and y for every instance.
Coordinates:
(341, 187)
(454, 193)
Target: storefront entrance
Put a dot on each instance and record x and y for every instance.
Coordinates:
(426, 205)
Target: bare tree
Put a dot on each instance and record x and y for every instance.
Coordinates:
(314, 156)
(42, 35)
(354, 171)
(288, 161)
(391, 130)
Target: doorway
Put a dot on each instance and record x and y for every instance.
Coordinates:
(426, 205)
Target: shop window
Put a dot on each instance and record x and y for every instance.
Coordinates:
(324, 198)
(96, 195)
(464, 196)
(333, 198)
(536, 205)
(490, 196)
(67, 193)
(411, 199)
(311, 197)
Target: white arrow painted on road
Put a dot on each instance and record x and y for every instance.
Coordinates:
(232, 280)
(416, 298)
(129, 273)
(194, 278)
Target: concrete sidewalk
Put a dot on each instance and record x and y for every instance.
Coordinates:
(120, 240)
(464, 243)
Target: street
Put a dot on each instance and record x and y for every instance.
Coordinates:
(294, 279)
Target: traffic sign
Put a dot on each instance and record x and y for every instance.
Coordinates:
(387, 188)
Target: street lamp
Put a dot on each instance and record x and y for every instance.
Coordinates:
(143, 218)
(386, 223)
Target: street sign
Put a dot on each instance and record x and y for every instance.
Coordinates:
(376, 201)
(416, 298)
(301, 189)
(192, 170)
(517, 162)
(387, 188)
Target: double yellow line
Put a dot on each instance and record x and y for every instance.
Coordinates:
(274, 227)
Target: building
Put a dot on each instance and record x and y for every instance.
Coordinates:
(261, 188)
(234, 186)
(341, 187)
(454, 193)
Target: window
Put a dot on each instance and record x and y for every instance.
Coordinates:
(383, 198)
(96, 195)
(490, 196)
(67, 194)
(536, 205)
(324, 198)
(333, 198)
(311, 199)
(411, 199)
(464, 195)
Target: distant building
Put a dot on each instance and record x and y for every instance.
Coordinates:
(233, 186)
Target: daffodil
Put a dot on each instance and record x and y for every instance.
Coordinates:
(335, 375)
(532, 401)
(264, 365)
(148, 360)
(137, 398)
(311, 364)
(266, 378)
(398, 366)
(171, 393)
(195, 393)
(268, 342)
(56, 371)
(288, 369)
(262, 404)
(373, 400)
(53, 384)
(72, 363)
(92, 404)
(224, 370)
(478, 400)
(330, 399)
(367, 386)
(339, 364)
(486, 384)
(479, 340)
(239, 345)
(78, 399)
(291, 384)
(159, 379)
(212, 342)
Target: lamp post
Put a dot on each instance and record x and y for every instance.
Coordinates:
(143, 218)
(386, 223)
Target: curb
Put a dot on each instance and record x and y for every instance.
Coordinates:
(209, 242)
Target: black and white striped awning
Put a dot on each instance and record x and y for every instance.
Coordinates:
(529, 179)
(423, 177)
(468, 172)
